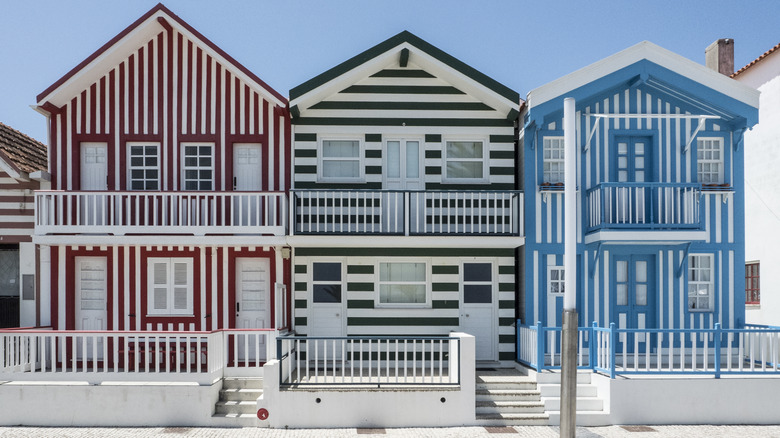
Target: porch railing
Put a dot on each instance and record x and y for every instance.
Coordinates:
(195, 213)
(613, 351)
(644, 206)
(392, 212)
(94, 356)
(368, 360)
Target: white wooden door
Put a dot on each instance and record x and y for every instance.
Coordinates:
(247, 177)
(328, 309)
(94, 177)
(403, 171)
(478, 309)
(91, 312)
(253, 286)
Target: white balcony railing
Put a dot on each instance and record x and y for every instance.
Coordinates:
(391, 212)
(198, 213)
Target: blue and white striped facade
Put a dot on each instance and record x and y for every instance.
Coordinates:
(641, 117)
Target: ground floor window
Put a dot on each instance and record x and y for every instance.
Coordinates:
(752, 283)
(403, 283)
(555, 280)
(700, 282)
(170, 286)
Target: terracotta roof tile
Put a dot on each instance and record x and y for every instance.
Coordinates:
(26, 153)
(756, 61)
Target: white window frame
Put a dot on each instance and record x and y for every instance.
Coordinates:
(546, 174)
(710, 283)
(721, 163)
(184, 166)
(377, 285)
(361, 160)
(559, 281)
(485, 161)
(169, 310)
(130, 166)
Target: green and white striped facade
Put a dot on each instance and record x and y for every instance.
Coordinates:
(408, 95)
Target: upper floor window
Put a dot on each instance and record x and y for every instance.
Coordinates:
(552, 151)
(144, 167)
(700, 282)
(465, 160)
(752, 283)
(709, 160)
(198, 167)
(170, 286)
(340, 160)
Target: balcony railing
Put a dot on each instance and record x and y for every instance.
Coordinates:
(391, 212)
(652, 206)
(198, 213)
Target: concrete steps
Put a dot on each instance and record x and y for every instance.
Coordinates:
(590, 408)
(507, 397)
(237, 405)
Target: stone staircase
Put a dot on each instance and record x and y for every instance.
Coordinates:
(508, 397)
(237, 405)
(590, 408)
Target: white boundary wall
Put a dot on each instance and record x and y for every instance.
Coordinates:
(382, 407)
(108, 404)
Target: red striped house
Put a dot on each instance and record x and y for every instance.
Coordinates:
(169, 166)
(23, 169)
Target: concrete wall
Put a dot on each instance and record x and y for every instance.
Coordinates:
(383, 407)
(117, 404)
(762, 197)
(685, 400)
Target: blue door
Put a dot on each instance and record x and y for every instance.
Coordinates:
(633, 166)
(633, 298)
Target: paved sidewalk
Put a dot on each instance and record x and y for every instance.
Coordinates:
(453, 432)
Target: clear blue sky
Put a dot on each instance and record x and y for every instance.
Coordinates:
(522, 44)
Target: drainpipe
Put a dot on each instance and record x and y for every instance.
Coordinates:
(569, 333)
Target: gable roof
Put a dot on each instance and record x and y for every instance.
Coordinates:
(646, 51)
(756, 61)
(425, 55)
(23, 154)
(158, 18)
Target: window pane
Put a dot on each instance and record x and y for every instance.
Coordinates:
(464, 169)
(160, 273)
(327, 293)
(341, 169)
(641, 295)
(180, 298)
(477, 293)
(622, 295)
(180, 274)
(393, 159)
(622, 271)
(477, 271)
(412, 159)
(326, 271)
(402, 272)
(341, 148)
(402, 293)
(160, 298)
(464, 149)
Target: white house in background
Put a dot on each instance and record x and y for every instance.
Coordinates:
(762, 197)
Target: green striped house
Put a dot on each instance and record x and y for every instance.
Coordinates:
(406, 213)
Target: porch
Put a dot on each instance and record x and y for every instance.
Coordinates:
(407, 213)
(611, 351)
(143, 212)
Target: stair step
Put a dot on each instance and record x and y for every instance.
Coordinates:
(234, 420)
(509, 394)
(506, 385)
(554, 390)
(546, 377)
(236, 407)
(506, 407)
(513, 419)
(583, 404)
(240, 394)
(241, 383)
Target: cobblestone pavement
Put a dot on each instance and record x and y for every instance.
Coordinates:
(454, 432)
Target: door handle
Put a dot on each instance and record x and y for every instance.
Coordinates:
(238, 307)
(235, 183)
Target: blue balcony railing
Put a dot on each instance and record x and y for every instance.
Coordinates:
(644, 206)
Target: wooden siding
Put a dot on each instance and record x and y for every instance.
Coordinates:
(17, 209)
(443, 314)
(412, 104)
(720, 211)
(214, 293)
(169, 91)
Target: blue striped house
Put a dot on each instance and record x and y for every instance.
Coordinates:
(660, 230)
(406, 218)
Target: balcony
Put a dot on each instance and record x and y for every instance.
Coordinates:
(133, 212)
(407, 213)
(644, 207)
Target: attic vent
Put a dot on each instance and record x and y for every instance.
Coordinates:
(404, 57)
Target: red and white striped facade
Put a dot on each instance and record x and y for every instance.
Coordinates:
(160, 82)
